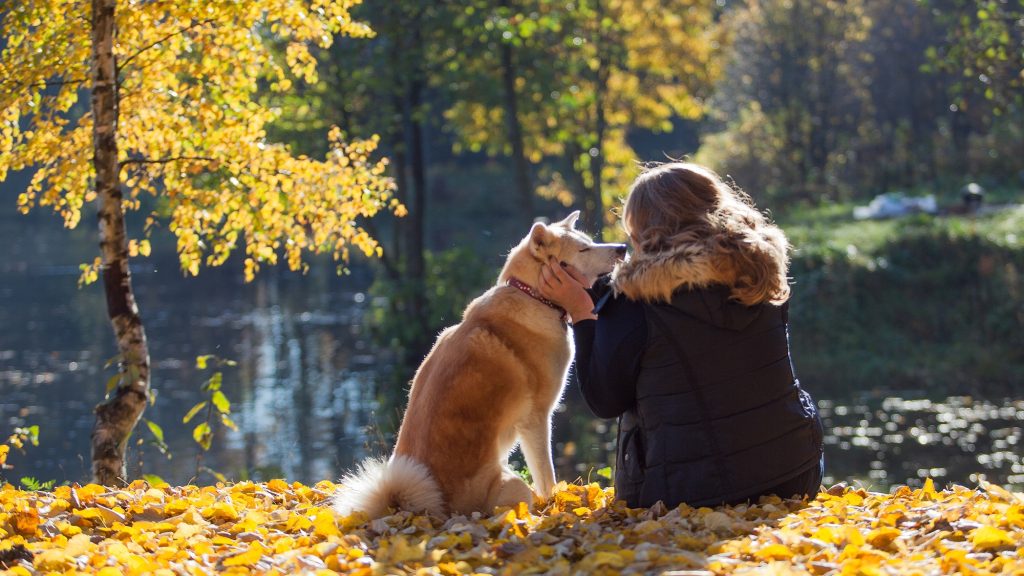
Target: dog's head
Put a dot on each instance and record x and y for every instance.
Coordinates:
(565, 243)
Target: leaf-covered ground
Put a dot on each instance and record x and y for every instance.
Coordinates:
(286, 529)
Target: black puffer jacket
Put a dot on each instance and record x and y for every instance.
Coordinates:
(726, 422)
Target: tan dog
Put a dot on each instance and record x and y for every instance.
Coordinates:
(488, 383)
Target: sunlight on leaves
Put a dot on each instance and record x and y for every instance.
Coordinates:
(283, 528)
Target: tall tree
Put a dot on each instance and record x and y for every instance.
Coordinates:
(599, 68)
(172, 114)
(794, 100)
(390, 86)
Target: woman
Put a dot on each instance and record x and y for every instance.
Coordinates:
(690, 349)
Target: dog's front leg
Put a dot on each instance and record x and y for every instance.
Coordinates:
(535, 441)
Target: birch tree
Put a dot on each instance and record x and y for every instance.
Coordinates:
(171, 112)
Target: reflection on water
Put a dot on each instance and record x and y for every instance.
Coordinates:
(894, 440)
(305, 391)
(302, 394)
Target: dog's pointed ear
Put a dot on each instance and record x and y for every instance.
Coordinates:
(539, 238)
(570, 220)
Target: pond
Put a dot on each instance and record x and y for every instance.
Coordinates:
(305, 392)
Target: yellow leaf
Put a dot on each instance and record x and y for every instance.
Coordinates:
(298, 522)
(399, 549)
(882, 538)
(220, 511)
(51, 560)
(247, 558)
(989, 537)
(928, 490)
(827, 535)
(522, 511)
(277, 485)
(604, 559)
(283, 545)
(352, 520)
(25, 522)
(853, 498)
(79, 544)
(186, 530)
(324, 524)
(774, 552)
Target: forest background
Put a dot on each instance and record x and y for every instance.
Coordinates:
(494, 113)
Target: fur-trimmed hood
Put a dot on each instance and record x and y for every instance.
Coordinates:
(752, 266)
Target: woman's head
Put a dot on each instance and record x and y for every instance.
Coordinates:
(684, 206)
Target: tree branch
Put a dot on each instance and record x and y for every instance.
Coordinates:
(124, 64)
(43, 84)
(165, 160)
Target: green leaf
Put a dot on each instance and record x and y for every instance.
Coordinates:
(191, 413)
(202, 360)
(605, 472)
(203, 435)
(154, 480)
(34, 485)
(157, 431)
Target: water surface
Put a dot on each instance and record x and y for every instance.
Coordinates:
(306, 391)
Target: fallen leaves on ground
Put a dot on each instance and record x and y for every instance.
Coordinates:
(281, 528)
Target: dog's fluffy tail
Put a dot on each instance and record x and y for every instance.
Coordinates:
(402, 483)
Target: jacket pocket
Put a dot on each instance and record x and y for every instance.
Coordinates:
(630, 460)
(811, 413)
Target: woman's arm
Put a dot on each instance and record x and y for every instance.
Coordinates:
(608, 352)
(609, 340)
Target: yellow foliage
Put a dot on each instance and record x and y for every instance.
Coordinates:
(189, 128)
(989, 537)
(609, 67)
(281, 528)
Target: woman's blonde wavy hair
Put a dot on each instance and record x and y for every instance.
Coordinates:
(686, 208)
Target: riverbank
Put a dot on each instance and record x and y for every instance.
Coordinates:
(278, 528)
(931, 305)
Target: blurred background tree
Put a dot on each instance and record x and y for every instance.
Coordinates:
(499, 111)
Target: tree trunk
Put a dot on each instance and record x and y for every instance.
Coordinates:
(591, 216)
(415, 264)
(596, 200)
(116, 417)
(520, 168)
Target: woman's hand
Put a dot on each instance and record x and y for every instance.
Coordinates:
(566, 286)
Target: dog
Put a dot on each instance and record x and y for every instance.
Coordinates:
(488, 383)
